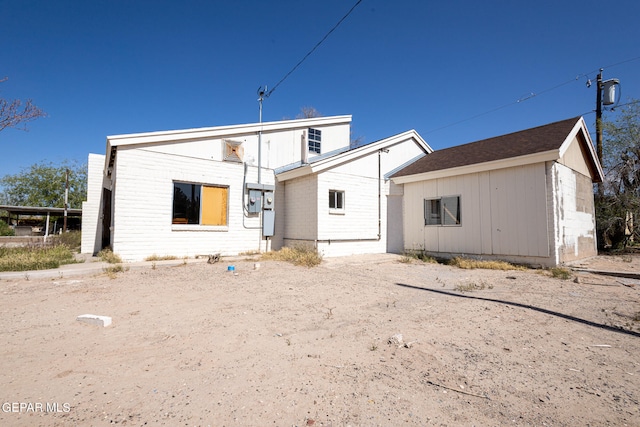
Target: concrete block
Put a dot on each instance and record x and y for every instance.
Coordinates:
(94, 319)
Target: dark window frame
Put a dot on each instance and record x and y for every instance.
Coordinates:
(443, 211)
(336, 200)
(314, 140)
(187, 204)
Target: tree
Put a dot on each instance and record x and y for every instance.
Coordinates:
(13, 113)
(43, 185)
(620, 204)
(308, 113)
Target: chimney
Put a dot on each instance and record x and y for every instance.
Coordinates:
(304, 149)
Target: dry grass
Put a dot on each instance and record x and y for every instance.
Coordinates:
(155, 257)
(114, 269)
(468, 263)
(409, 257)
(298, 255)
(35, 257)
(560, 273)
(107, 256)
(472, 286)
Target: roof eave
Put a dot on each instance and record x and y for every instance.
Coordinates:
(551, 155)
(222, 131)
(356, 153)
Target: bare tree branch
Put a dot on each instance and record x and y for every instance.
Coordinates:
(14, 113)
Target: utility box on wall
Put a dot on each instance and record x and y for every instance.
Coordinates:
(255, 201)
(267, 201)
(268, 223)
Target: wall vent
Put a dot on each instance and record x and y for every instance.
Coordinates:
(233, 151)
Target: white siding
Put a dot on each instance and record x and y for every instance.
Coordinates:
(91, 208)
(503, 214)
(143, 197)
(278, 148)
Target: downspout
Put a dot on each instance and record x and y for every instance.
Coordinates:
(379, 194)
(244, 207)
(386, 150)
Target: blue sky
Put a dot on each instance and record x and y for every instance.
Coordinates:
(103, 68)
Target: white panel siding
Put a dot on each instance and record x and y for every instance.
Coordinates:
(484, 218)
(503, 214)
(279, 148)
(143, 203)
(91, 208)
(412, 212)
(519, 209)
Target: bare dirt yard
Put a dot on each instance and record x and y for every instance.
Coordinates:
(197, 345)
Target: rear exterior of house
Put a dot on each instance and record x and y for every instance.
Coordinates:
(345, 204)
(216, 190)
(525, 197)
(196, 192)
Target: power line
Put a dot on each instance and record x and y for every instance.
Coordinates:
(533, 95)
(314, 48)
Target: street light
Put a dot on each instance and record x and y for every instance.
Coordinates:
(608, 89)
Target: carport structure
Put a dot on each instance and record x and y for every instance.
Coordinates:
(17, 211)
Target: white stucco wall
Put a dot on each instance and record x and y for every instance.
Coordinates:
(300, 211)
(572, 218)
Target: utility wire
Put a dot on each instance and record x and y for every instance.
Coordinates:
(314, 48)
(533, 95)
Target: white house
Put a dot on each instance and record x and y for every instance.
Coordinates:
(525, 197)
(253, 187)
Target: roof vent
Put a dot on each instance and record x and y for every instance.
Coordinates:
(233, 151)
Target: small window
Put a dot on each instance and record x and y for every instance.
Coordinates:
(442, 211)
(336, 200)
(315, 138)
(432, 212)
(199, 204)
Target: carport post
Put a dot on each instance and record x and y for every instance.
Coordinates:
(46, 228)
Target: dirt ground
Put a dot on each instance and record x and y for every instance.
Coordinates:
(280, 345)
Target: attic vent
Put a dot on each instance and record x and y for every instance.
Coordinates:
(233, 151)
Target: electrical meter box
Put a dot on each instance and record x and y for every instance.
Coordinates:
(268, 223)
(255, 201)
(267, 201)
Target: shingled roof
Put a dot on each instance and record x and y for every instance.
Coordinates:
(531, 141)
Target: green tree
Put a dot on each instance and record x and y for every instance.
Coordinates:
(43, 184)
(618, 210)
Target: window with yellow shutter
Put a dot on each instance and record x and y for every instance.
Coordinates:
(199, 204)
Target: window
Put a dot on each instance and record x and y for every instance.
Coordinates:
(315, 137)
(432, 212)
(442, 211)
(199, 204)
(336, 200)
